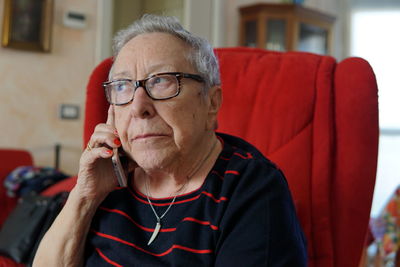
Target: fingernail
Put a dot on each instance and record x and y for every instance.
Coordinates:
(109, 152)
(117, 141)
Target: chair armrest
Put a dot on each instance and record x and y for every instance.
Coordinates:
(64, 185)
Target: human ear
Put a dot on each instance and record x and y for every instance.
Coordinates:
(215, 101)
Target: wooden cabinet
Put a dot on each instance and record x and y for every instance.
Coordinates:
(286, 27)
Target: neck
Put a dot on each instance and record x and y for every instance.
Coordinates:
(167, 184)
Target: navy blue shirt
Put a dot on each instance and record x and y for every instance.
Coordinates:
(242, 215)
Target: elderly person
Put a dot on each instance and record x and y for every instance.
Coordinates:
(193, 197)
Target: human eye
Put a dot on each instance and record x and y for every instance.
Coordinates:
(162, 86)
(162, 81)
(120, 86)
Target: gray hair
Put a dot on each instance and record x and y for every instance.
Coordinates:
(201, 56)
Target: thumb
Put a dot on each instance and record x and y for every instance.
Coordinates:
(110, 116)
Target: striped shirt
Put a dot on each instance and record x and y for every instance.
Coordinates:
(242, 215)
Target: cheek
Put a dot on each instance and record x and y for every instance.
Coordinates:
(188, 124)
(121, 123)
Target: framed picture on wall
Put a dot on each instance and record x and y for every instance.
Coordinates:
(27, 24)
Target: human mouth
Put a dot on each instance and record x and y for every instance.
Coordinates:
(148, 136)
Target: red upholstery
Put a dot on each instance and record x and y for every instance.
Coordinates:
(96, 102)
(317, 119)
(286, 111)
(7, 262)
(357, 131)
(63, 185)
(10, 159)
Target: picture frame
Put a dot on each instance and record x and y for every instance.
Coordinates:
(27, 24)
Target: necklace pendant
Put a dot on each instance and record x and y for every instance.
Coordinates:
(155, 233)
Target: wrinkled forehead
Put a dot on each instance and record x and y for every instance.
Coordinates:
(151, 52)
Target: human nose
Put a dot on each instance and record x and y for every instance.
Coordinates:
(142, 105)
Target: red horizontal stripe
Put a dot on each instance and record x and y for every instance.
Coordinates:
(146, 202)
(107, 259)
(200, 222)
(135, 223)
(170, 198)
(164, 230)
(119, 188)
(181, 201)
(248, 156)
(198, 251)
(214, 198)
(232, 172)
(223, 158)
(166, 198)
(164, 204)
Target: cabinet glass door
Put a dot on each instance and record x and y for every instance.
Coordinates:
(250, 38)
(313, 39)
(276, 35)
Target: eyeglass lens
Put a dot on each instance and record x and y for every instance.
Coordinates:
(158, 87)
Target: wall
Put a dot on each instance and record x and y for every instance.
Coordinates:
(34, 84)
(125, 12)
(199, 19)
(165, 7)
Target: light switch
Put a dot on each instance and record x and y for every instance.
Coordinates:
(75, 19)
(69, 112)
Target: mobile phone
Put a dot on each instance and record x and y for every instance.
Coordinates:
(116, 162)
(118, 169)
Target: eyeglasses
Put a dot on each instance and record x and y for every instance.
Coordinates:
(159, 86)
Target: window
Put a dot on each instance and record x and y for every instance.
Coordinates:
(374, 37)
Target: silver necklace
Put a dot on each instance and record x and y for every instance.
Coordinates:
(158, 224)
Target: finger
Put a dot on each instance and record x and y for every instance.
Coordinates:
(96, 153)
(105, 138)
(110, 116)
(104, 128)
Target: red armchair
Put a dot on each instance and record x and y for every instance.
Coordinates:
(317, 119)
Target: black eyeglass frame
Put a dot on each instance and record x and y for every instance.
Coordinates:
(142, 83)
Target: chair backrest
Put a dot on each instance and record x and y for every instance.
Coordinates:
(317, 119)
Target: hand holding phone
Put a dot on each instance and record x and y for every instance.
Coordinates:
(118, 169)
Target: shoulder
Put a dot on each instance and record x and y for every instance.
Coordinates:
(247, 162)
(249, 178)
(261, 207)
(242, 150)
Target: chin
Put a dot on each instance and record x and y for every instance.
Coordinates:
(155, 159)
